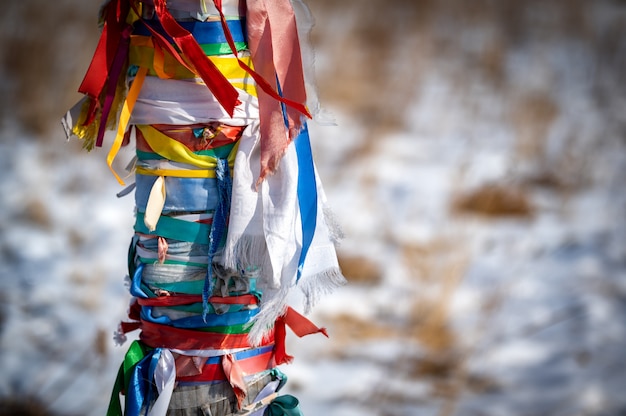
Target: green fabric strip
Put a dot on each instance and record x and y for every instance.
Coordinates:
(285, 405)
(218, 152)
(180, 230)
(141, 155)
(222, 48)
(221, 152)
(135, 353)
(178, 262)
(191, 287)
(197, 308)
(231, 329)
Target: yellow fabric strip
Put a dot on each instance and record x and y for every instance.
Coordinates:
(175, 151)
(177, 173)
(127, 109)
(143, 54)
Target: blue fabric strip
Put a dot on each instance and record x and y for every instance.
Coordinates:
(138, 388)
(203, 32)
(181, 194)
(135, 283)
(307, 187)
(307, 194)
(243, 354)
(197, 321)
(218, 227)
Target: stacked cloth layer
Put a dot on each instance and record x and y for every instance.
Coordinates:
(230, 212)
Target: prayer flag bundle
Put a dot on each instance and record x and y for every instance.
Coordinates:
(230, 213)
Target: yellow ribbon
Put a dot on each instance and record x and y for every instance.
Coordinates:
(127, 109)
(143, 53)
(175, 151)
(178, 173)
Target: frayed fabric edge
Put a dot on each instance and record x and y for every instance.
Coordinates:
(243, 252)
(275, 303)
(335, 233)
(315, 286)
(273, 306)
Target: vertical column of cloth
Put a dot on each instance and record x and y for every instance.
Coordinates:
(194, 354)
(186, 303)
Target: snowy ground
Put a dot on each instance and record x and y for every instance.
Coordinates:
(514, 307)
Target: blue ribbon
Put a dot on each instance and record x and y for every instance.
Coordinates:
(203, 32)
(139, 391)
(193, 322)
(135, 283)
(307, 194)
(307, 187)
(218, 226)
(242, 355)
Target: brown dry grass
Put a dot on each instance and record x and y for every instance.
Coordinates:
(438, 268)
(360, 270)
(349, 329)
(23, 406)
(495, 201)
(44, 49)
(532, 116)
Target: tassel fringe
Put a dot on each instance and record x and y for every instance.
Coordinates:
(315, 286)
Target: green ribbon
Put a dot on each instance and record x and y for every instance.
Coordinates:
(216, 152)
(230, 329)
(222, 48)
(136, 352)
(285, 405)
(190, 287)
(193, 232)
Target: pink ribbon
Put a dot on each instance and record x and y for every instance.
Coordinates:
(275, 49)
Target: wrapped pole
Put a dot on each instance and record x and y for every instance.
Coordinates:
(230, 214)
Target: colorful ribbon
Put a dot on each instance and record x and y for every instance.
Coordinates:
(127, 109)
(210, 32)
(110, 42)
(307, 194)
(250, 362)
(223, 91)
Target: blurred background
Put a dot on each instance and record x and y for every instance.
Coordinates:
(477, 168)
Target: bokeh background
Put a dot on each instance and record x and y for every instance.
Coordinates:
(477, 166)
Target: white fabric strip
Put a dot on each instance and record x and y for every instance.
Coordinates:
(149, 254)
(164, 378)
(182, 102)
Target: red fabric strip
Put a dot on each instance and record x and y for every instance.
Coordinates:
(179, 300)
(225, 135)
(234, 374)
(275, 50)
(261, 82)
(162, 44)
(223, 91)
(98, 72)
(164, 336)
(121, 55)
(187, 370)
(300, 325)
(280, 352)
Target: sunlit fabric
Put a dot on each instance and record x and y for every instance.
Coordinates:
(230, 213)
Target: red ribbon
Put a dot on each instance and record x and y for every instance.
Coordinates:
(165, 336)
(111, 39)
(275, 49)
(234, 375)
(178, 300)
(188, 370)
(223, 91)
(300, 326)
